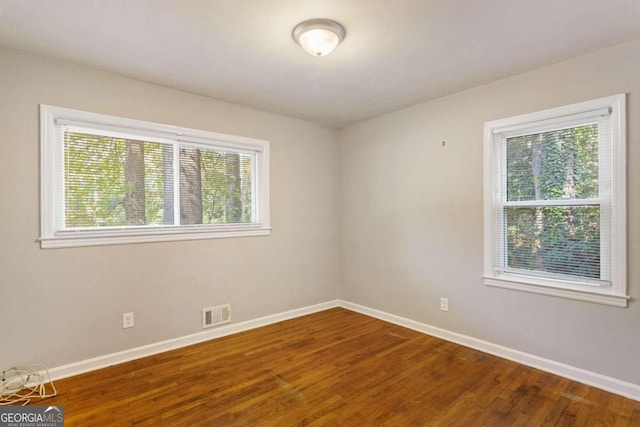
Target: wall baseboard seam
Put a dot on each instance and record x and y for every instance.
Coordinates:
(100, 362)
(610, 384)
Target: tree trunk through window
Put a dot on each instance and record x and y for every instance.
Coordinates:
(190, 186)
(234, 199)
(167, 184)
(569, 187)
(134, 195)
(536, 171)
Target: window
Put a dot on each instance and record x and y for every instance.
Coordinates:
(555, 220)
(109, 180)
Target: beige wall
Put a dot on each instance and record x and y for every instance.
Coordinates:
(407, 211)
(412, 218)
(64, 305)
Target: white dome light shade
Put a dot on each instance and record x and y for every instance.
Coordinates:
(318, 37)
(318, 42)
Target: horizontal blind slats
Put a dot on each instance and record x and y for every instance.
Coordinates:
(555, 123)
(158, 133)
(109, 181)
(552, 188)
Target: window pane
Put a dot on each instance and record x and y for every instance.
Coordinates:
(216, 187)
(115, 182)
(559, 164)
(561, 240)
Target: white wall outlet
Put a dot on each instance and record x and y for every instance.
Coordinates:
(444, 304)
(127, 320)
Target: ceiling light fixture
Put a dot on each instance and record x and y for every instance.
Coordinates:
(318, 37)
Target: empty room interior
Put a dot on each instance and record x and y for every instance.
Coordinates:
(321, 212)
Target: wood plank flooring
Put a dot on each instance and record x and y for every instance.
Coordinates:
(338, 368)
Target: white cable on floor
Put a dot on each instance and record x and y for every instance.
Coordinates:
(20, 384)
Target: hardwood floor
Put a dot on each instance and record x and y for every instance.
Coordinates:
(336, 367)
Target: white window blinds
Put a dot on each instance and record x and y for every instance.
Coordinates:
(554, 189)
(108, 177)
(555, 202)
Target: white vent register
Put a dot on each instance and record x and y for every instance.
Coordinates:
(213, 316)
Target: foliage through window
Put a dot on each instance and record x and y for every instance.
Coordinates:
(106, 180)
(552, 218)
(555, 165)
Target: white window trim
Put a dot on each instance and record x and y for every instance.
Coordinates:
(51, 236)
(616, 294)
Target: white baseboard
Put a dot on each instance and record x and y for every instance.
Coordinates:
(174, 343)
(603, 382)
(613, 385)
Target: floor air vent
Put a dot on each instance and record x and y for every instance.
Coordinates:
(213, 316)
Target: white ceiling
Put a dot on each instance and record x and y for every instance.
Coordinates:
(396, 52)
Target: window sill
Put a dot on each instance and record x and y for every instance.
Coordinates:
(598, 296)
(82, 238)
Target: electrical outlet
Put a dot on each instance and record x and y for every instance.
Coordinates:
(127, 320)
(444, 304)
